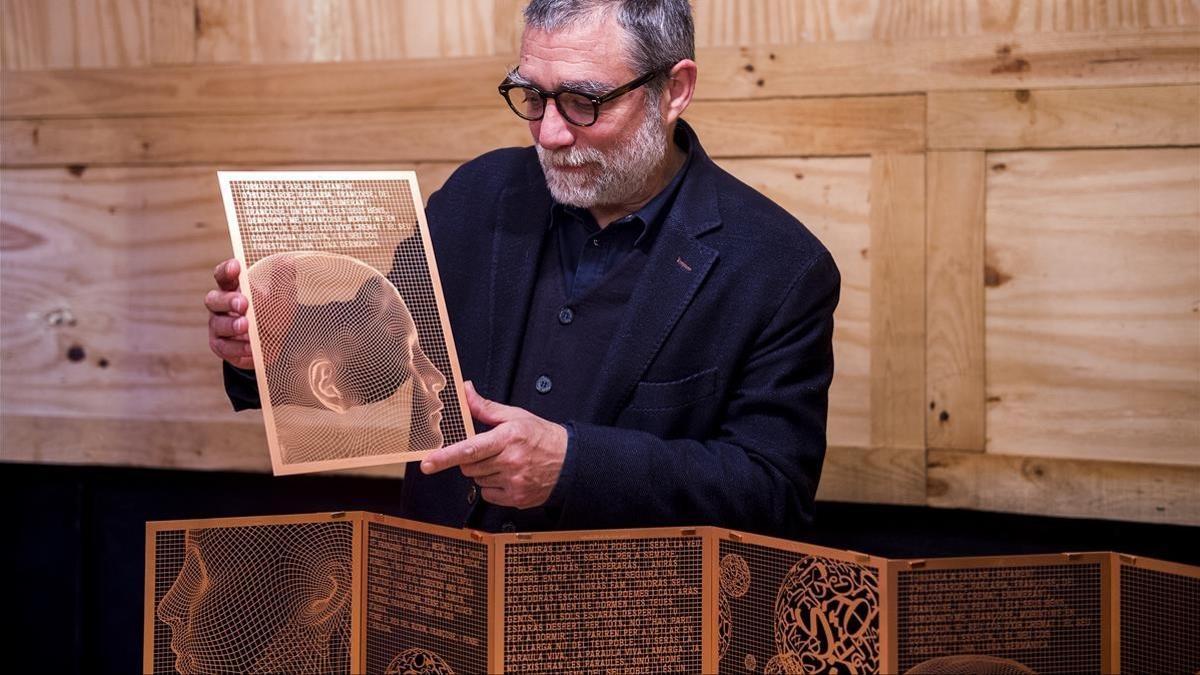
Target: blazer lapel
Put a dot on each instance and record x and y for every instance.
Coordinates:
(676, 268)
(516, 246)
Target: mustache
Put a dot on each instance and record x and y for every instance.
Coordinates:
(573, 157)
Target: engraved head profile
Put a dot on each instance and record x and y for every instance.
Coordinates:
(261, 599)
(346, 374)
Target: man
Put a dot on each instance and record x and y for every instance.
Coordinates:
(649, 339)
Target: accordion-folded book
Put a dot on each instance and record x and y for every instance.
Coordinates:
(361, 592)
(353, 353)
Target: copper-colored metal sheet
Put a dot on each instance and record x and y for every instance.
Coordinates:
(353, 353)
(617, 601)
(788, 607)
(1045, 613)
(426, 599)
(251, 595)
(1160, 617)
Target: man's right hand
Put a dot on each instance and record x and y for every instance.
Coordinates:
(228, 327)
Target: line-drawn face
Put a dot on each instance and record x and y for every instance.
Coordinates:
(259, 599)
(345, 370)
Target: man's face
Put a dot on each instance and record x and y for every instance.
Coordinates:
(610, 163)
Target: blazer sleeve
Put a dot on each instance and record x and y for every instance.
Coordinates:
(759, 470)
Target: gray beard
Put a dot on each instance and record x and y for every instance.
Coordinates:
(621, 175)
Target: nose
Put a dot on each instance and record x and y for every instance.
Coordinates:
(552, 132)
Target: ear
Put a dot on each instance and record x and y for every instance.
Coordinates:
(680, 88)
(323, 383)
(330, 593)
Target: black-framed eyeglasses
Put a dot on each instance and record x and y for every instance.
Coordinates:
(578, 108)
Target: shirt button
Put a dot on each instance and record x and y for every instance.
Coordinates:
(543, 385)
(565, 316)
(472, 494)
(508, 526)
(595, 242)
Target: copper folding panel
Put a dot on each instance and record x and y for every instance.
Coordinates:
(788, 607)
(426, 598)
(1158, 605)
(353, 353)
(1043, 613)
(604, 601)
(252, 594)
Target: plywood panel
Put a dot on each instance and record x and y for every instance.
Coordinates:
(898, 301)
(1064, 487)
(307, 31)
(954, 358)
(842, 126)
(41, 34)
(830, 196)
(1065, 118)
(104, 276)
(721, 23)
(763, 128)
(1093, 322)
(818, 69)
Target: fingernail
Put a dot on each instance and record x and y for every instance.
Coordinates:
(240, 325)
(239, 305)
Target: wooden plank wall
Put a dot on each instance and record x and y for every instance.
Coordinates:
(1011, 190)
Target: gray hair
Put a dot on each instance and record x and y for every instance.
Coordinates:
(658, 33)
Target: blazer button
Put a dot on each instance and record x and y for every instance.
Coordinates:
(566, 316)
(508, 526)
(472, 494)
(543, 385)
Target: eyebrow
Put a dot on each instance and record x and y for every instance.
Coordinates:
(589, 87)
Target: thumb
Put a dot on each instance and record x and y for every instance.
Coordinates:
(488, 412)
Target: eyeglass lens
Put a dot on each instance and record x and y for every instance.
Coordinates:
(531, 105)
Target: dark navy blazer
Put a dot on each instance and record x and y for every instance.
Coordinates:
(711, 406)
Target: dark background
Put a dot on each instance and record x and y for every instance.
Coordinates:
(75, 565)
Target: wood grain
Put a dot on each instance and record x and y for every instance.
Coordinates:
(1073, 488)
(1065, 118)
(172, 32)
(954, 346)
(312, 31)
(404, 136)
(257, 90)
(104, 276)
(40, 34)
(764, 128)
(1093, 322)
(897, 220)
(1157, 57)
(1153, 57)
(839, 126)
(873, 475)
(742, 22)
(830, 196)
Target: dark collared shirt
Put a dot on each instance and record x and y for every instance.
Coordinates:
(587, 252)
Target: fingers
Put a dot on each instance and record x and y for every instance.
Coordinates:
(224, 302)
(232, 327)
(472, 450)
(236, 352)
(496, 496)
(489, 412)
(227, 273)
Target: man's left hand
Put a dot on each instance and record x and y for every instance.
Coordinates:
(516, 463)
